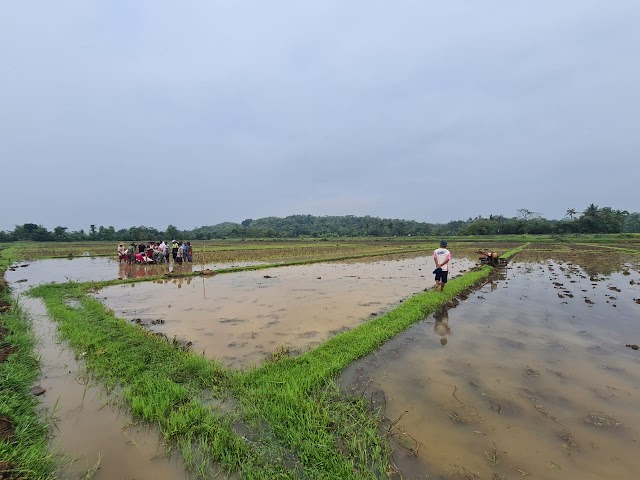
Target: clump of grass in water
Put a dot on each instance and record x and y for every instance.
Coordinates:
(279, 353)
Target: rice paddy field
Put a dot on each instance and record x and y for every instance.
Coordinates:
(322, 359)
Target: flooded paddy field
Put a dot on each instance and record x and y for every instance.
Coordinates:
(97, 438)
(25, 275)
(240, 318)
(94, 435)
(530, 376)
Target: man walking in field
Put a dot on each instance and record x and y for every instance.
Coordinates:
(442, 257)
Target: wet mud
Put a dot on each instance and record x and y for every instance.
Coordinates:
(93, 435)
(6, 428)
(517, 380)
(242, 318)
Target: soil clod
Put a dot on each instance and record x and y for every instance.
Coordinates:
(5, 306)
(5, 351)
(6, 430)
(38, 390)
(602, 420)
(530, 372)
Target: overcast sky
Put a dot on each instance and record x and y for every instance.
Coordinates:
(193, 113)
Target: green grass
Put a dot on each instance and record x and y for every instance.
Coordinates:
(290, 418)
(25, 454)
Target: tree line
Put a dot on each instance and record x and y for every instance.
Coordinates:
(592, 220)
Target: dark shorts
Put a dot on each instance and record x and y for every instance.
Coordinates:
(442, 276)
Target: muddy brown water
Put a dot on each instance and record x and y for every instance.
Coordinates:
(241, 318)
(89, 430)
(524, 378)
(94, 269)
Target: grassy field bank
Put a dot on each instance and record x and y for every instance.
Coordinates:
(23, 435)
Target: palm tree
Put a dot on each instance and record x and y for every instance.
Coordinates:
(591, 210)
(571, 212)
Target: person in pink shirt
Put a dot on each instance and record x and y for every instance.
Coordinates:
(442, 257)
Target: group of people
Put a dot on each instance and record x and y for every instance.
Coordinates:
(156, 252)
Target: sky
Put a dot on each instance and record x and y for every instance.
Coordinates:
(120, 113)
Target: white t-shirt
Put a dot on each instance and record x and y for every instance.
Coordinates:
(442, 255)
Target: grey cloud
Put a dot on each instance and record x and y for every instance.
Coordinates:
(248, 109)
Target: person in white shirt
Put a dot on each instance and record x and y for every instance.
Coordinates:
(442, 257)
(122, 252)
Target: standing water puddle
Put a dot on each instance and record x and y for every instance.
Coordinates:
(528, 377)
(98, 439)
(241, 317)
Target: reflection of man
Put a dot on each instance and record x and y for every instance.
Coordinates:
(441, 327)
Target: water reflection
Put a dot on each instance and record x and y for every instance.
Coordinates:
(441, 326)
(135, 270)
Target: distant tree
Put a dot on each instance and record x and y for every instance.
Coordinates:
(527, 214)
(60, 234)
(602, 220)
(247, 222)
(108, 233)
(172, 232)
(632, 223)
(571, 212)
(591, 210)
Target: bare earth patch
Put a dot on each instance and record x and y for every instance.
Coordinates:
(5, 351)
(6, 430)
